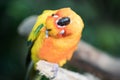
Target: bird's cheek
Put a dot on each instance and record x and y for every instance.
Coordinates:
(53, 33)
(49, 23)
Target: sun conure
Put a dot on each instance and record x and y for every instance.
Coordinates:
(55, 36)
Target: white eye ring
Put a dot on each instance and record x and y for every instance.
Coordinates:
(55, 16)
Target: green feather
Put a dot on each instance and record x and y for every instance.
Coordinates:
(38, 29)
(36, 32)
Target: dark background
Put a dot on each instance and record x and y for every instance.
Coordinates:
(102, 28)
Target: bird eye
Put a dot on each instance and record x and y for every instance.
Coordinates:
(54, 15)
(63, 21)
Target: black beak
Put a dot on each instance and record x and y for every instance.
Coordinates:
(63, 21)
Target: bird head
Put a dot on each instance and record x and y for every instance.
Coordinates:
(63, 22)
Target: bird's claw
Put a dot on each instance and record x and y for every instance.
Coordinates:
(54, 70)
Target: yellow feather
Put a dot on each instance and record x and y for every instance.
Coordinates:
(38, 43)
(40, 20)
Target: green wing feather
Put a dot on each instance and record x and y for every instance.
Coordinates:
(35, 35)
(31, 41)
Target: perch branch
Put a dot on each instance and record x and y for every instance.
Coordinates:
(62, 74)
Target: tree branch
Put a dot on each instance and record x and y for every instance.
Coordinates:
(96, 61)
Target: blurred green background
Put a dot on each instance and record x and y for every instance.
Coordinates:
(102, 28)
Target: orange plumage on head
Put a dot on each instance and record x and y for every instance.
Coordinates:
(64, 28)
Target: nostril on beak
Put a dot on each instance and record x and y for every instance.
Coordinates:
(63, 21)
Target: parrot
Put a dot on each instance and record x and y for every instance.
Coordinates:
(55, 36)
